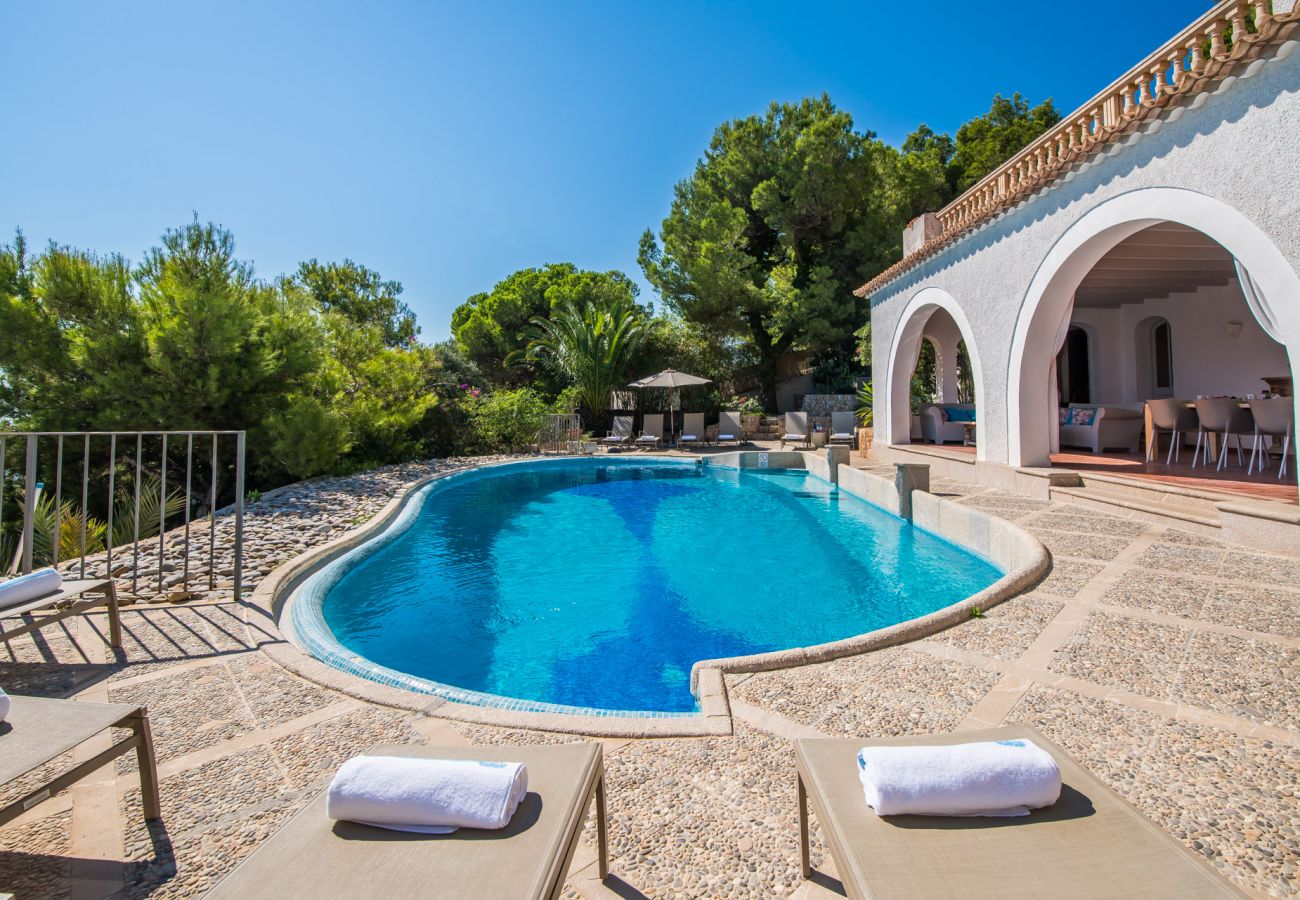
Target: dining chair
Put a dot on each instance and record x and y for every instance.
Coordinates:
(1274, 418)
(1221, 415)
(1175, 417)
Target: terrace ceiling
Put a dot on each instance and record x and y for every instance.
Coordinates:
(1154, 263)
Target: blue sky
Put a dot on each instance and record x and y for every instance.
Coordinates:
(448, 145)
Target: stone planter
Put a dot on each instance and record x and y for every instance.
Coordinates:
(865, 437)
(750, 424)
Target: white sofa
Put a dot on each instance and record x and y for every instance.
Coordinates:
(936, 427)
(1111, 428)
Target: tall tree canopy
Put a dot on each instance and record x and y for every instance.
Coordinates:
(191, 339)
(493, 328)
(362, 295)
(982, 144)
(783, 217)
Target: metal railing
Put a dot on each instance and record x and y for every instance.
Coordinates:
(44, 454)
(560, 432)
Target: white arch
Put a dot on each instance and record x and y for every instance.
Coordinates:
(907, 342)
(1050, 296)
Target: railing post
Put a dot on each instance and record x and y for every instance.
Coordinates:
(29, 513)
(239, 515)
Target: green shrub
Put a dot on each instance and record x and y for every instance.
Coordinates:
(746, 406)
(506, 420)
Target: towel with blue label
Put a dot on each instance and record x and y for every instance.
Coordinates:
(987, 778)
(427, 796)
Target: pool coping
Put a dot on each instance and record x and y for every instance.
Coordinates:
(1018, 553)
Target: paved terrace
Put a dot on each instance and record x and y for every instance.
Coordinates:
(1166, 663)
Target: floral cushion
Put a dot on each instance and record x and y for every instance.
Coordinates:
(1081, 415)
(1063, 414)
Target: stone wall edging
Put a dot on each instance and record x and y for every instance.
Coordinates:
(1018, 553)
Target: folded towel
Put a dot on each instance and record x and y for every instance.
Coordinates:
(428, 796)
(689, 437)
(841, 434)
(726, 437)
(989, 778)
(794, 437)
(26, 588)
(4, 704)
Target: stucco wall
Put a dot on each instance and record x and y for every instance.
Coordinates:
(1206, 359)
(1235, 145)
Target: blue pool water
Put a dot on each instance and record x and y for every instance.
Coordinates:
(598, 582)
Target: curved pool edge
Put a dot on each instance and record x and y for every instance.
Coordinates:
(1027, 561)
(1021, 556)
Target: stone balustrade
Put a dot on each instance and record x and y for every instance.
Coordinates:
(1210, 48)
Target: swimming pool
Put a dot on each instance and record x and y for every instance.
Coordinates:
(594, 584)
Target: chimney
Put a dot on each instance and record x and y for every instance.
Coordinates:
(925, 227)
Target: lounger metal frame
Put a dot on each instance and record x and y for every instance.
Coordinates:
(103, 592)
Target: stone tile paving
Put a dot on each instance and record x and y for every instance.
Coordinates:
(1006, 630)
(243, 744)
(1234, 800)
(35, 857)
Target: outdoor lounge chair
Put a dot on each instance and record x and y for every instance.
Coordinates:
(692, 429)
(796, 430)
(1090, 843)
(313, 856)
(622, 432)
(92, 593)
(729, 428)
(38, 731)
(843, 429)
(652, 430)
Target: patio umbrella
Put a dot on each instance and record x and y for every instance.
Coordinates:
(671, 379)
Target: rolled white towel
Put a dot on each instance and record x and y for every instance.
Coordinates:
(4, 704)
(988, 778)
(428, 796)
(726, 437)
(794, 437)
(26, 588)
(689, 437)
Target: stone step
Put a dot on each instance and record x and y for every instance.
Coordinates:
(1167, 508)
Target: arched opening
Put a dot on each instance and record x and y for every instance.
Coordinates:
(1170, 290)
(934, 375)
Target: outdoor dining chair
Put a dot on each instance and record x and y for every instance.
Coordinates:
(1174, 417)
(1274, 418)
(1221, 415)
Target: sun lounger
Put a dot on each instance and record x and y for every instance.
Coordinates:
(312, 856)
(92, 593)
(1090, 843)
(692, 429)
(796, 430)
(843, 429)
(652, 430)
(729, 429)
(622, 432)
(38, 731)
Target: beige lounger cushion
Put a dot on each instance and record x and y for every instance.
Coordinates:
(1090, 844)
(312, 856)
(38, 730)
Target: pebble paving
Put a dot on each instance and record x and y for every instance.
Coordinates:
(1205, 635)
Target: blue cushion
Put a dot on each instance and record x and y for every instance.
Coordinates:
(956, 414)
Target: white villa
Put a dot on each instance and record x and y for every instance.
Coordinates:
(1146, 247)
